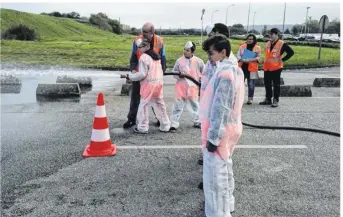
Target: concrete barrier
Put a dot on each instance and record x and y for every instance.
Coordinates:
(41, 100)
(326, 82)
(126, 89)
(10, 80)
(58, 90)
(82, 81)
(295, 90)
(5, 88)
(260, 82)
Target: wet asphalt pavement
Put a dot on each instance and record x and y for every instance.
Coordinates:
(43, 173)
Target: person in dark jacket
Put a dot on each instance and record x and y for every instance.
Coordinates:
(157, 45)
(273, 65)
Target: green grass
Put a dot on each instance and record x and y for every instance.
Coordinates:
(47, 26)
(69, 43)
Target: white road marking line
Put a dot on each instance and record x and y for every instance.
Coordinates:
(198, 147)
(313, 97)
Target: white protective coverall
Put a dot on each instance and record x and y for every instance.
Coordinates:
(221, 101)
(186, 92)
(150, 75)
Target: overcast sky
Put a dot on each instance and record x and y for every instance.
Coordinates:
(187, 15)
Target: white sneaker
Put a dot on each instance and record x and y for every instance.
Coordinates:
(232, 204)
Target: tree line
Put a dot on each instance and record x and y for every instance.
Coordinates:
(311, 26)
(102, 21)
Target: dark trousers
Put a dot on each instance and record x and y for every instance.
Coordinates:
(135, 100)
(269, 78)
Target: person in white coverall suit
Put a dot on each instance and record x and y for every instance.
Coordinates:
(150, 75)
(186, 92)
(221, 103)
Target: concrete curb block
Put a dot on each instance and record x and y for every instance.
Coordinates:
(58, 90)
(326, 82)
(82, 81)
(10, 88)
(295, 90)
(10, 80)
(260, 82)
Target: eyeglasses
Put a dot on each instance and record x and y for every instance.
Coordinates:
(146, 32)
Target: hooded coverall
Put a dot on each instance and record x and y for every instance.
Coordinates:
(150, 75)
(221, 103)
(186, 92)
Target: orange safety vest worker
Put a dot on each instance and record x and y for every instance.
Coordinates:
(273, 57)
(252, 66)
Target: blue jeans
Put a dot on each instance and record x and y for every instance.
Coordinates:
(251, 87)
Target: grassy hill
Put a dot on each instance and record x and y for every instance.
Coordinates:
(69, 43)
(47, 26)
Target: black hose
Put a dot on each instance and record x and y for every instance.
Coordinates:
(293, 128)
(265, 127)
(186, 76)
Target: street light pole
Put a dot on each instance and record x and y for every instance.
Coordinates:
(253, 22)
(283, 25)
(306, 21)
(248, 19)
(226, 12)
(212, 15)
(202, 25)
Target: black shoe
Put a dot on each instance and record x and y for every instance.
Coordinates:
(201, 186)
(275, 103)
(157, 124)
(266, 102)
(129, 124)
(172, 129)
(201, 162)
(197, 125)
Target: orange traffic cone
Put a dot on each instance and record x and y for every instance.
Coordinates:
(100, 144)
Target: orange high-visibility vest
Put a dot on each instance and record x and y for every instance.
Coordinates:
(273, 57)
(252, 66)
(158, 43)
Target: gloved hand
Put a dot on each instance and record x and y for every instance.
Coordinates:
(210, 147)
(133, 71)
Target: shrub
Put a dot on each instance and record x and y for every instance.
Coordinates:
(20, 32)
